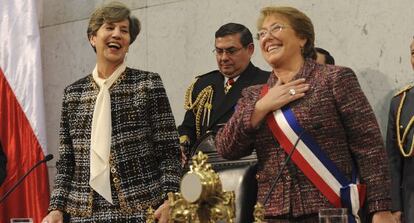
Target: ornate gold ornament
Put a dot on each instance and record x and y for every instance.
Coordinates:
(258, 213)
(150, 215)
(202, 199)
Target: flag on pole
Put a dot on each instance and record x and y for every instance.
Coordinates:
(22, 122)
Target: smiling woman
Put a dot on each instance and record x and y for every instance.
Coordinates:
(105, 171)
(111, 43)
(326, 108)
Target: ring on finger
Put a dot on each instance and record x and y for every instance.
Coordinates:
(292, 91)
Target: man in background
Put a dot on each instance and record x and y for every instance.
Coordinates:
(210, 102)
(400, 148)
(211, 99)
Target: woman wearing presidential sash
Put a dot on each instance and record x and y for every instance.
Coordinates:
(400, 147)
(119, 152)
(313, 125)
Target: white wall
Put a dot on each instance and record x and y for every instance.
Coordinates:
(372, 37)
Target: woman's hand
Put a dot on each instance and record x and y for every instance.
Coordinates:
(184, 158)
(397, 216)
(383, 217)
(55, 216)
(278, 96)
(162, 213)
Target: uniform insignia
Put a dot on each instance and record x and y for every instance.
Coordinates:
(406, 88)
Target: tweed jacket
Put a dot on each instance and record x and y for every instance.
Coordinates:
(222, 104)
(402, 174)
(144, 158)
(347, 131)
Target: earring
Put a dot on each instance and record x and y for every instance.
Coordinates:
(302, 50)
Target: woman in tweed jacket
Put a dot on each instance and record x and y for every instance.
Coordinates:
(117, 176)
(323, 95)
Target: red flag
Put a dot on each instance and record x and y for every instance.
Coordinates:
(22, 128)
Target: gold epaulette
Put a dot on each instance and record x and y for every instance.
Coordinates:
(201, 106)
(402, 132)
(406, 88)
(188, 96)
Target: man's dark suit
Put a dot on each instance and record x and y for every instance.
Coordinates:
(223, 105)
(222, 108)
(402, 168)
(3, 162)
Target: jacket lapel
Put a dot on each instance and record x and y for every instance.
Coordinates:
(224, 103)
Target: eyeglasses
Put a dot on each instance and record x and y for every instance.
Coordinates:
(229, 51)
(274, 29)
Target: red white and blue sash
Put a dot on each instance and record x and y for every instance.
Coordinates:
(314, 163)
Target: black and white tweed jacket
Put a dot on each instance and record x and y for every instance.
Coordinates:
(145, 158)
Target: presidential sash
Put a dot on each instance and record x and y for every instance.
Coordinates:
(313, 162)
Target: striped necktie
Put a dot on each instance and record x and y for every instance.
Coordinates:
(228, 85)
